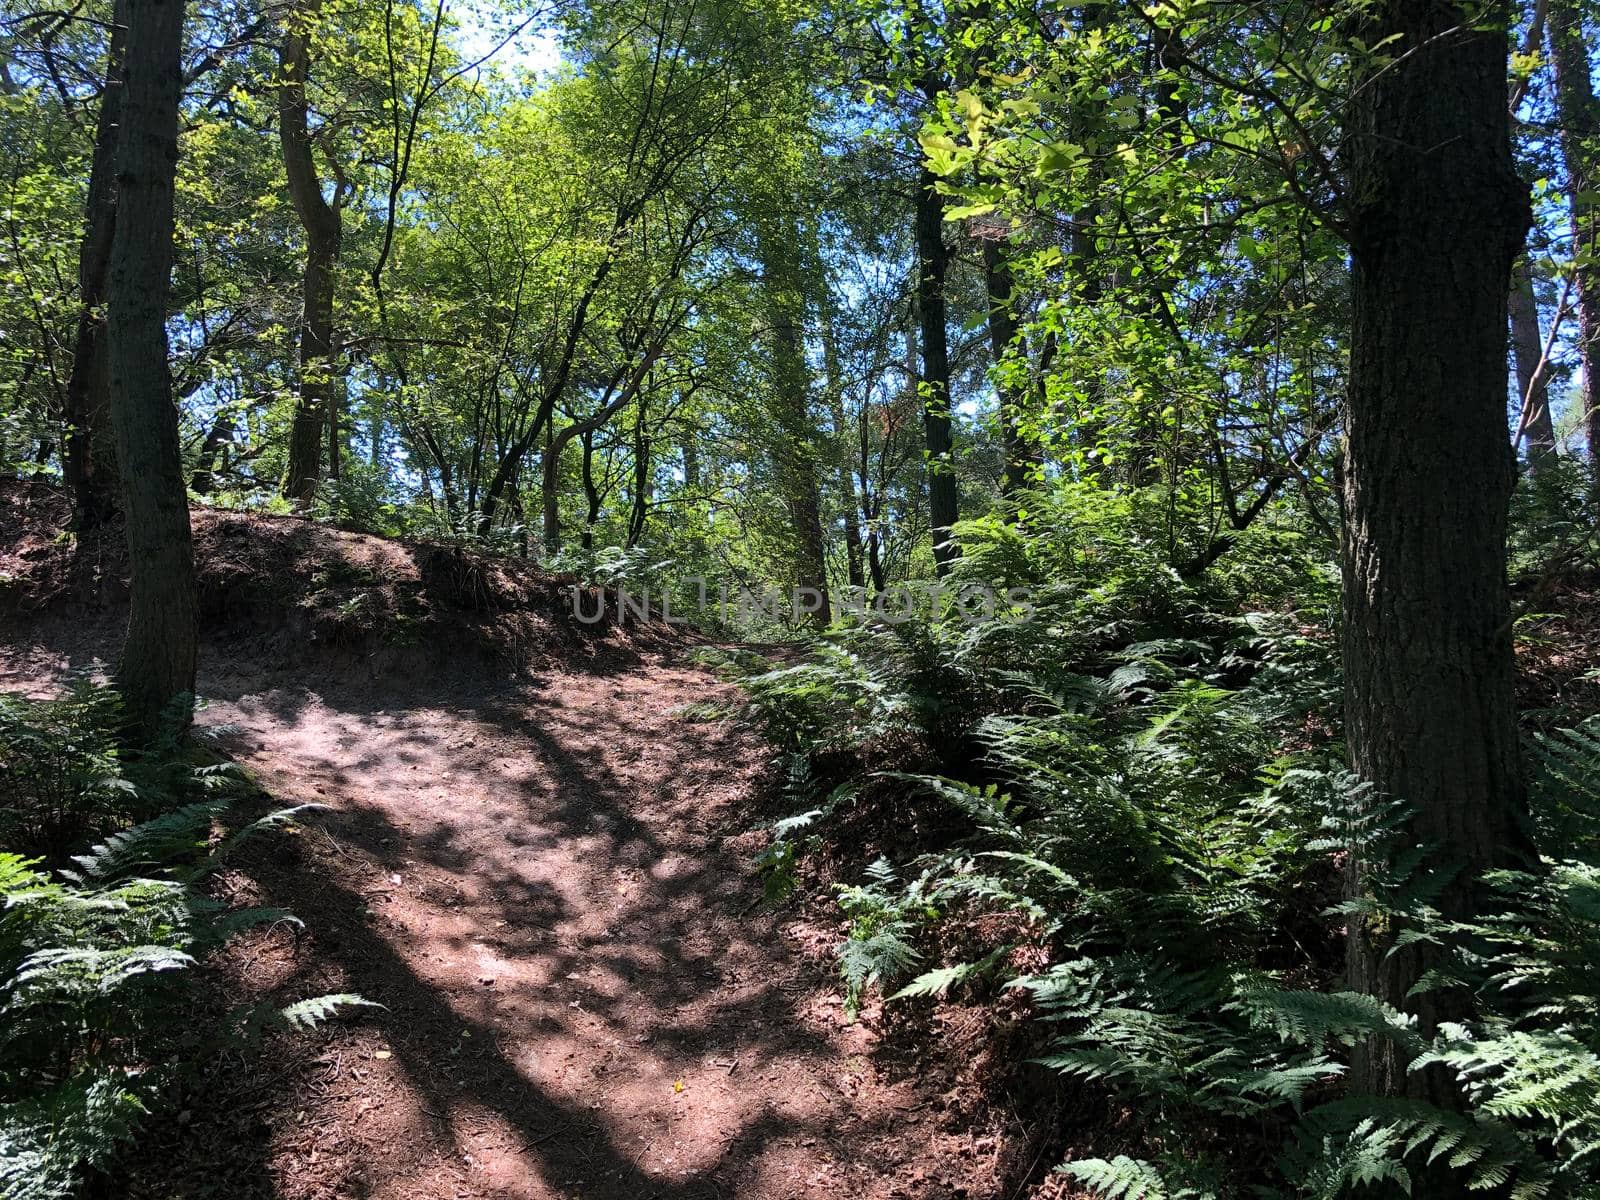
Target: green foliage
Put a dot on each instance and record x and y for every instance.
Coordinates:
(1151, 787)
(362, 498)
(61, 770)
(882, 915)
(96, 963)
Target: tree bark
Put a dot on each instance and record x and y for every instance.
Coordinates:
(1438, 216)
(1533, 372)
(1021, 460)
(550, 489)
(642, 474)
(203, 480)
(89, 458)
(848, 499)
(1580, 126)
(933, 263)
(591, 492)
(794, 446)
(158, 657)
(323, 229)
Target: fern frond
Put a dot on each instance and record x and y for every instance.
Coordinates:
(308, 1014)
(166, 840)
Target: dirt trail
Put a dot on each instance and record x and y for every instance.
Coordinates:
(549, 885)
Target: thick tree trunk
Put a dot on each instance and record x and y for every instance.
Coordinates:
(1580, 128)
(313, 417)
(89, 458)
(1438, 216)
(794, 446)
(158, 657)
(1533, 372)
(933, 262)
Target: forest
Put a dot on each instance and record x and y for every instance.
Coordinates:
(799, 598)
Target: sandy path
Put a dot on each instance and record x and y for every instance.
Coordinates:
(550, 888)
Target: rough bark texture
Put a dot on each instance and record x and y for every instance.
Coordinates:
(1438, 215)
(1580, 132)
(158, 658)
(933, 263)
(89, 458)
(320, 220)
(794, 446)
(1533, 372)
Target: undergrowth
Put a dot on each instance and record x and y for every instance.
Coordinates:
(1146, 772)
(98, 956)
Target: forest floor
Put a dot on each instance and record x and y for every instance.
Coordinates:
(548, 881)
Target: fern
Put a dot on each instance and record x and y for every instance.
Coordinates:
(250, 1024)
(1149, 775)
(50, 1139)
(1566, 790)
(878, 951)
(1313, 1018)
(170, 838)
(308, 1014)
(1124, 1178)
(94, 961)
(1367, 1140)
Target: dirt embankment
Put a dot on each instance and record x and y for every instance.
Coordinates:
(276, 587)
(539, 856)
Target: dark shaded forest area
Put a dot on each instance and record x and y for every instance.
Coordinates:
(688, 598)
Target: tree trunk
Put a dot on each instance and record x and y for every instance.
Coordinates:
(854, 557)
(1580, 126)
(158, 657)
(591, 493)
(1438, 218)
(794, 448)
(1020, 458)
(89, 458)
(640, 510)
(933, 262)
(1533, 373)
(203, 481)
(550, 489)
(691, 485)
(320, 220)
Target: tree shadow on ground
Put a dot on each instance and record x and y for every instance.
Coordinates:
(543, 886)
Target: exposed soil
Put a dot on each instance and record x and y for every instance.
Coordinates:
(547, 880)
(299, 588)
(538, 856)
